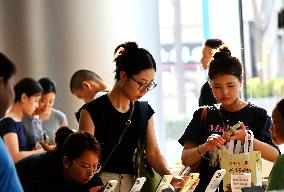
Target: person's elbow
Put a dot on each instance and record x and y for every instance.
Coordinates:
(274, 155)
(271, 155)
(184, 159)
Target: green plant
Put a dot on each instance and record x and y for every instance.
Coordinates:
(266, 88)
(176, 127)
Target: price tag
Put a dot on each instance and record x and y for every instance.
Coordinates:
(238, 181)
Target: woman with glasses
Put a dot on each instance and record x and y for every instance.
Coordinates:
(106, 117)
(71, 166)
(204, 135)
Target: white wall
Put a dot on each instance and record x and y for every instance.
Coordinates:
(56, 38)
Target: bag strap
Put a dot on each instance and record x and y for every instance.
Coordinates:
(143, 122)
(248, 145)
(203, 115)
(128, 122)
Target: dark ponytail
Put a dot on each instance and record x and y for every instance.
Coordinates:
(224, 63)
(73, 144)
(132, 59)
(60, 136)
(222, 52)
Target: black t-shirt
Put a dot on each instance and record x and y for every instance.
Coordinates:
(206, 95)
(43, 173)
(253, 117)
(109, 124)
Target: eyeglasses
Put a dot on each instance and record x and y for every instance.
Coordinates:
(93, 170)
(145, 86)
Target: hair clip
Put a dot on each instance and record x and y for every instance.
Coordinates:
(119, 52)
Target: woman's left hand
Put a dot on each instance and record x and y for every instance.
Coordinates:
(194, 185)
(238, 134)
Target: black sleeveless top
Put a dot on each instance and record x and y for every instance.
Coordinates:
(109, 124)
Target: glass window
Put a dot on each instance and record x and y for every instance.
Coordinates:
(185, 24)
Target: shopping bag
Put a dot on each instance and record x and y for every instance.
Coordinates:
(142, 166)
(247, 161)
(143, 169)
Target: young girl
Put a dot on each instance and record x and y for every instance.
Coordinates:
(27, 95)
(203, 136)
(106, 116)
(276, 177)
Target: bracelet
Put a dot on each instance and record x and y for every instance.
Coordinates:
(199, 152)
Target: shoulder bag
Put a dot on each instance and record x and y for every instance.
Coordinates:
(143, 169)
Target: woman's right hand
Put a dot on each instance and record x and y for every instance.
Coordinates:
(214, 141)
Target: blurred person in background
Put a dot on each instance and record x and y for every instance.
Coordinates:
(276, 176)
(9, 180)
(27, 95)
(210, 46)
(88, 85)
(51, 118)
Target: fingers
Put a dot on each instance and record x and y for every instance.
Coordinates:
(177, 182)
(226, 136)
(243, 127)
(238, 134)
(215, 140)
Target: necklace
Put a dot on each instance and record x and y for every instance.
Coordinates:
(218, 107)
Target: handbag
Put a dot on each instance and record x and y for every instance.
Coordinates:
(235, 161)
(143, 169)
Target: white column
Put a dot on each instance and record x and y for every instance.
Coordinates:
(56, 38)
